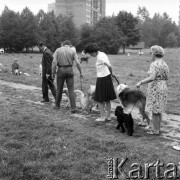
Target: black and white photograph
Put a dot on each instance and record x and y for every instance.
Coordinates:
(89, 89)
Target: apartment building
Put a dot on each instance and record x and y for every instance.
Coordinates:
(83, 11)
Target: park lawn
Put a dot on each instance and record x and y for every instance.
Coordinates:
(127, 68)
(40, 143)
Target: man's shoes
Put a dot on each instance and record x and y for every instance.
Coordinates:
(108, 118)
(44, 101)
(73, 111)
(56, 107)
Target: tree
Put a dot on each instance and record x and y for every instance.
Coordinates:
(47, 29)
(29, 26)
(167, 28)
(67, 29)
(104, 33)
(157, 30)
(142, 14)
(85, 33)
(171, 40)
(127, 26)
(107, 36)
(11, 30)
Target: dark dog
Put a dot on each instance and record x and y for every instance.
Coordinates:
(133, 98)
(125, 121)
(85, 59)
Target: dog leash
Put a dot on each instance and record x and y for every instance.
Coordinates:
(132, 108)
(81, 83)
(116, 79)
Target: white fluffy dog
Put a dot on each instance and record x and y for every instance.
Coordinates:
(90, 99)
(79, 95)
(86, 102)
(133, 98)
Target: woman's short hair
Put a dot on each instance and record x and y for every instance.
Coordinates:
(91, 48)
(157, 51)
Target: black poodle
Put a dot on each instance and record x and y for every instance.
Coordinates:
(125, 121)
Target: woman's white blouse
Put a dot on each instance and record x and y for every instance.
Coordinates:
(102, 69)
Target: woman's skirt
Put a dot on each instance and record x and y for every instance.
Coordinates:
(157, 94)
(104, 89)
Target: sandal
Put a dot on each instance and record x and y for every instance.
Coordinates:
(148, 127)
(100, 119)
(153, 133)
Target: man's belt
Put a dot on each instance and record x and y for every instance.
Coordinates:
(64, 65)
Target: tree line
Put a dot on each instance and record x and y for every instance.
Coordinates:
(160, 29)
(19, 31)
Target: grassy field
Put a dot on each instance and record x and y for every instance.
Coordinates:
(38, 143)
(133, 68)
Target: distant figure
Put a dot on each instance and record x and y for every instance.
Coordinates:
(141, 52)
(15, 67)
(84, 57)
(128, 54)
(1, 50)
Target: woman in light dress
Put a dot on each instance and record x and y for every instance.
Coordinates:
(157, 91)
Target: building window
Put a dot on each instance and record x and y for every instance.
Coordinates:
(88, 4)
(91, 14)
(88, 16)
(95, 4)
(88, 22)
(95, 18)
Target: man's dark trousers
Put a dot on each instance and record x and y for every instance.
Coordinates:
(45, 83)
(65, 74)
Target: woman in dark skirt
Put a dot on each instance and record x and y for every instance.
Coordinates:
(104, 92)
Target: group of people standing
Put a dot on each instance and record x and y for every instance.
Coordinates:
(61, 64)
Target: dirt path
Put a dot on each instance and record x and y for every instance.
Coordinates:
(32, 95)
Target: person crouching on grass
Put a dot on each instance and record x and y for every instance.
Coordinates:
(104, 92)
(15, 67)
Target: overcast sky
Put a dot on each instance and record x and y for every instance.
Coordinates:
(171, 7)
